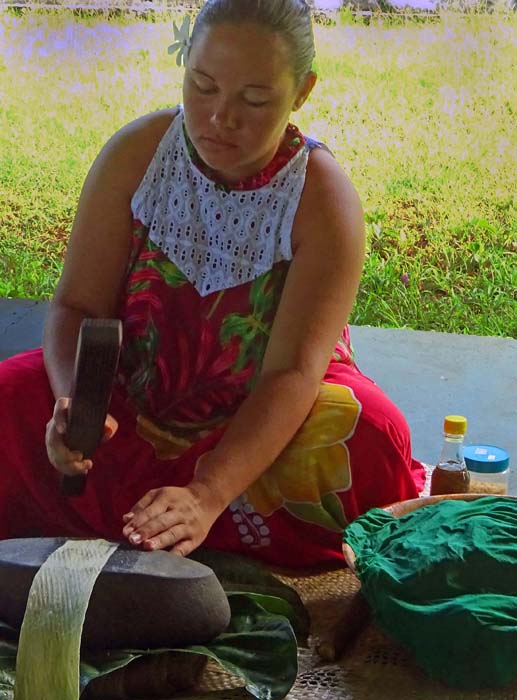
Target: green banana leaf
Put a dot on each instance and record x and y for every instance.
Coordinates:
(240, 574)
(92, 666)
(7, 663)
(259, 646)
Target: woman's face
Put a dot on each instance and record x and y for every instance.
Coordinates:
(238, 93)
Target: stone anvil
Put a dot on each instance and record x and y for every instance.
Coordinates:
(140, 600)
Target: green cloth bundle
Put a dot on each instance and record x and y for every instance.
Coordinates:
(442, 580)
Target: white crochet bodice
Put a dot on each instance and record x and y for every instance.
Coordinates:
(218, 239)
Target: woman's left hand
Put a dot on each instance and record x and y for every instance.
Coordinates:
(173, 518)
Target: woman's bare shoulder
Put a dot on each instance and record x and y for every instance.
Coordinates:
(329, 202)
(130, 150)
(326, 180)
(150, 128)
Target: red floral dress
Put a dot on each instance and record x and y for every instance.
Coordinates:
(187, 364)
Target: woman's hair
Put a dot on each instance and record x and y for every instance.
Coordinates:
(290, 18)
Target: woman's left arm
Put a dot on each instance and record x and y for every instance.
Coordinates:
(319, 292)
(318, 295)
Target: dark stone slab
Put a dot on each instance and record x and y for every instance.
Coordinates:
(140, 599)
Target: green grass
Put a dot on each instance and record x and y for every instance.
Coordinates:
(421, 115)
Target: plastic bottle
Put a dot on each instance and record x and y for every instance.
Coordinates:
(451, 474)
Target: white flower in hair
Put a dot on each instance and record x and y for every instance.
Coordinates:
(181, 41)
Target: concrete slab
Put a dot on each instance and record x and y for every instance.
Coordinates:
(428, 375)
(21, 325)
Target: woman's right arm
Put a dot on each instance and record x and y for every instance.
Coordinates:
(99, 247)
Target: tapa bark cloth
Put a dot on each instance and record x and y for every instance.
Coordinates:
(442, 580)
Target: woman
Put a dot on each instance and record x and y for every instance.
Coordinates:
(231, 247)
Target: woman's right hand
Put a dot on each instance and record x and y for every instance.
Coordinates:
(69, 462)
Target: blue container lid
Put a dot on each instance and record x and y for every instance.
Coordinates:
(486, 459)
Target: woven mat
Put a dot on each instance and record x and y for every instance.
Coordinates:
(372, 668)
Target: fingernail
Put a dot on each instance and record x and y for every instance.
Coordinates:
(135, 538)
(128, 516)
(108, 432)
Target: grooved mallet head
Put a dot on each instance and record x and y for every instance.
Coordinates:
(96, 360)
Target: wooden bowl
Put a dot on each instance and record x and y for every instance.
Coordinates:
(404, 507)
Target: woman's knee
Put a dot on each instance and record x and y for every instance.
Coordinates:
(24, 378)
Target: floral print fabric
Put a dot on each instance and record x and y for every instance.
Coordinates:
(187, 364)
(189, 361)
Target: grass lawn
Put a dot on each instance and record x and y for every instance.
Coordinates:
(422, 117)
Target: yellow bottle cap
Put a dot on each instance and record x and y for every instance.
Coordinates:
(455, 425)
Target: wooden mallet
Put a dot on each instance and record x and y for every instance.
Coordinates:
(96, 360)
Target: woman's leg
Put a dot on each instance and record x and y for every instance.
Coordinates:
(352, 453)
(26, 404)
(31, 500)
(382, 466)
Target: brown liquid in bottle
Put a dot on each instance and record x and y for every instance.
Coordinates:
(450, 477)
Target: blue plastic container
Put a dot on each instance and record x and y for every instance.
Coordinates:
(489, 468)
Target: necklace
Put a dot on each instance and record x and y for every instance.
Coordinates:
(291, 144)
